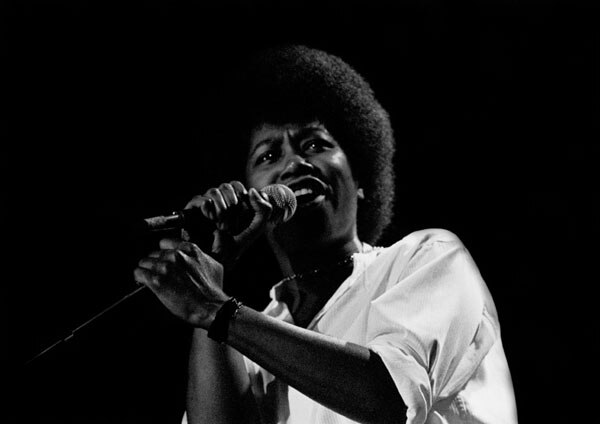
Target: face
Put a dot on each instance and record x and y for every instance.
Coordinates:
(307, 158)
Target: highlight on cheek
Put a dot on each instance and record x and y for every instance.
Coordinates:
(339, 158)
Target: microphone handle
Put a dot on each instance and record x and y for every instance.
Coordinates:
(177, 220)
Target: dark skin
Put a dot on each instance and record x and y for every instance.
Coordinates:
(345, 377)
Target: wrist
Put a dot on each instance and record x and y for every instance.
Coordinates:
(205, 314)
(218, 329)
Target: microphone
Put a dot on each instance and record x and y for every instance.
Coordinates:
(281, 197)
(284, 204)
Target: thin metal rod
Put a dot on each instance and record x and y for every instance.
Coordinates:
(85, 324)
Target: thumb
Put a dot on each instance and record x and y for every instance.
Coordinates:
(262, 212)
(223, 245)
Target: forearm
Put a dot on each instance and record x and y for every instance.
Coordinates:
(218, 384)
(345, 377)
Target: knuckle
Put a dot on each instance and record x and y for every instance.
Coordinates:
(228, 193)
(167, 268)
(155, 254)
(178, 254)
(186, 247)
(164, 245)
(195, 201)
(155, 280)
(239, 188)
(168, 257)
(195, 250)
(138, 274)
(226, 186)
(237, 185)
(160, 268)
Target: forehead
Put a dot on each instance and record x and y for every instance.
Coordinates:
(270, 131)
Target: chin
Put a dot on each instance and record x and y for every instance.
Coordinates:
(308, 226)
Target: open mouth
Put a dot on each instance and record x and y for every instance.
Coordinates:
(308, 191)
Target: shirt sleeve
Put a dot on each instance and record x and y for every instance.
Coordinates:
(430, 326)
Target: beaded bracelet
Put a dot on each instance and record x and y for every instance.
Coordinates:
(219, 328)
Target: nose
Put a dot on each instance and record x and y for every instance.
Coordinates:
(294, 166)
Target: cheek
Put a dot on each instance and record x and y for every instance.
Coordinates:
(253, 177)
(248, 178)
(340, 162)
(257, 180)
(251, 181)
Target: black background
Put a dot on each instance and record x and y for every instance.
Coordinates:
(495, 109)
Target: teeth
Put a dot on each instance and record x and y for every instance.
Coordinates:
(302, 192)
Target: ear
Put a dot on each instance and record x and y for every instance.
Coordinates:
(360, 194)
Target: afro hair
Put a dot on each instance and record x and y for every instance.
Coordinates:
(300, 84)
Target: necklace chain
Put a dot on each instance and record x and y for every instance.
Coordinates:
(313, 272)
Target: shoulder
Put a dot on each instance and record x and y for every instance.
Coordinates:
(429, 253)
(431, 235)
(432, 265)
(424, 244)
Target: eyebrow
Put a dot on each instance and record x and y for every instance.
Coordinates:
(307, 131)
(300, 134)
(267, 141)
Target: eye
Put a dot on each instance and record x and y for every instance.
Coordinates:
(316, 145)
(268, 156)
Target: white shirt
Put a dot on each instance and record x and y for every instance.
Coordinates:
(423, 307)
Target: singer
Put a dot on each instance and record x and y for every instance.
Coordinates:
(354, 332)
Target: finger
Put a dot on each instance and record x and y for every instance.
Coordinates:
(190, 249)
(196, 202)
(222, 243)
(259, 202)
(154, 265)
(204, 203)
(147, 278)
(171, 243)
(162, 255)
(240, 189)
(262, 212)
(155, 254)
(147, 263)
(218, 202)
(239, 219)
(231, 200)
(174, 244)
(208, 208)
(185, 235)
(229, 195)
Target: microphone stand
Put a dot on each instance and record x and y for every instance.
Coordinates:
(138, 229)
(82, 326)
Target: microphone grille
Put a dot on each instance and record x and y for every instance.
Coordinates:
(283, 200)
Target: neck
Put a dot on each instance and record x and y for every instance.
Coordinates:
(302, 259)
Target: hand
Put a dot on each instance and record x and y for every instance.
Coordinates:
(185, 279)
(227, 206)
